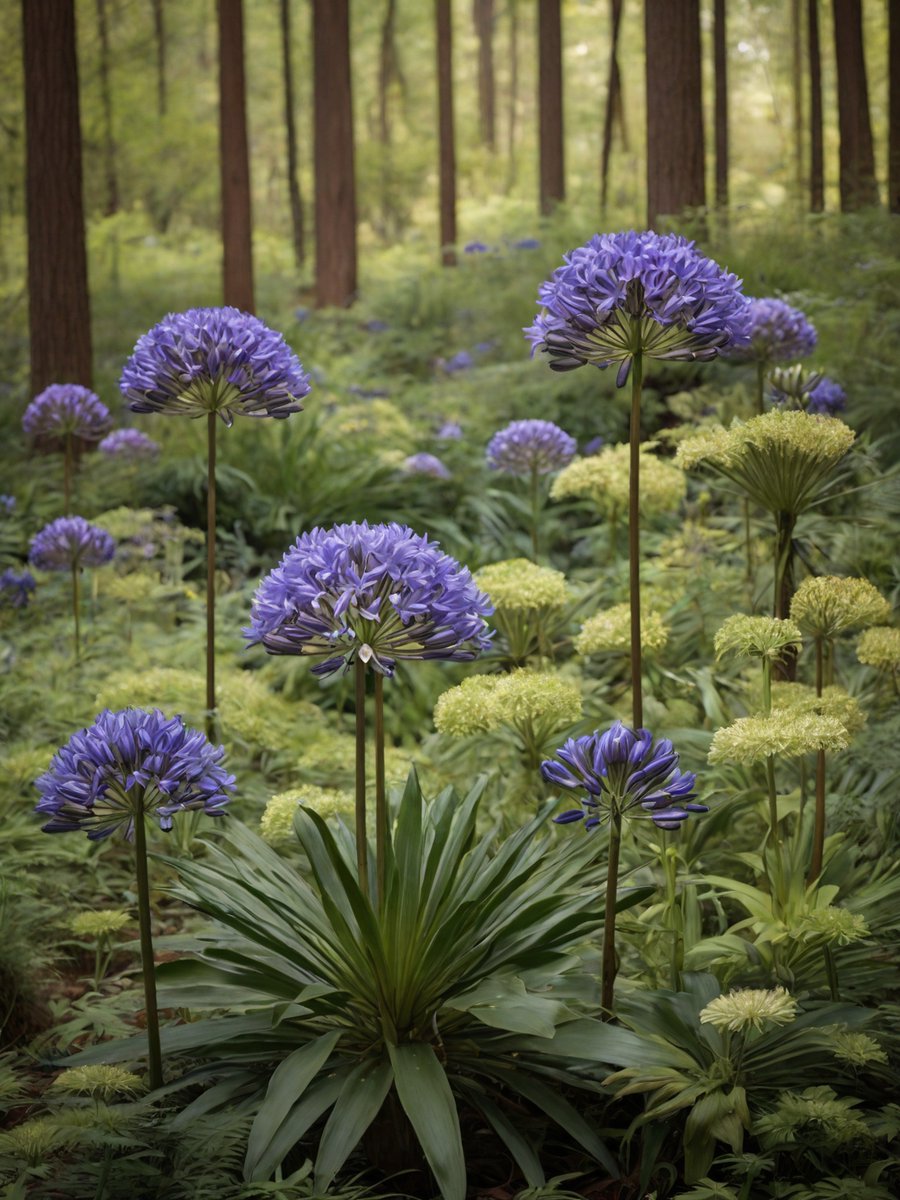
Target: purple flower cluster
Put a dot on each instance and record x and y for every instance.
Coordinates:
(827, 398)
(214, 360)
(625, 771)
(426, 464)
(130, 763)
(531, 445)
(623, 292)
(8, 504)
(15, 589)
(69, 543)
(128, 444)
(66, 410)
(375, 593)
(777, 332)
(450, 431)
(461, 361)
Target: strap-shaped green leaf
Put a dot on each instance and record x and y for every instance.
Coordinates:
(357, 1107)
(518, 1146)
(426, 1097)
(503, 1002)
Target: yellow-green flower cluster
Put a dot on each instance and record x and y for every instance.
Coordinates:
(825, 605)
(756, 637)
(377, 420)
(328, 756)
(835, 925)
(101, 1081)
(34, 1140)
(132, 588)
(880, 647)
(783, 734)
(485, 702)
(518, 583)
(609, 632)
(603, 478)
(856, 1049)
(834, 702)
(104, 922)
(750, 1008)
(831, 1115)
(276, 825)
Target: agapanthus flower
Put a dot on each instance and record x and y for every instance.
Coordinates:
(475, 248)
(518, 583)
(528, 243)
(483, 703)
(129, 763)
(214, 360)
(276, 825)
(798, 388)
(784, 733)
(603, 478)
(16, 588)
(128, 444)
(750, 1008)
(593, 446)
(880, 647)
(377, 593)
(627, 291)
(626, 771)
(756, 637)
(609, 632)
(67, 410)
(449, 431)
(523, 447)
(426, 464)
(8, 504)
(461, 361)
(376, 325)
(69, 543)
(777, 333)
(826, 605)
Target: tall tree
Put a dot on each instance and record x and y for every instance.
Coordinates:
(446, 136)
(720, 110)
(816, 141)
(111, 203)
(336, 269)
(615, 109)
(857, 156)
(159, 38)
(237, 241)
(513, 12)
(550, 105)
(483, 16)
(388, 70)
(894, 106)
(58, 301)
(290, 128)
(675, 160)
(797, 90)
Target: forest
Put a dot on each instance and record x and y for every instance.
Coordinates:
(476, 776)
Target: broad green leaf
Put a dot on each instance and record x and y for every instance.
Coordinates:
(428, 1101)
(357, 1107)
(502, 1002)
(319, 1097)
(518, 1146)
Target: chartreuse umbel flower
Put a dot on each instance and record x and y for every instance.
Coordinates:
(756, 637)
(69, 544)
(528, 601)
(100, 1081)
(834, 925)
(826, 605)
(483, 703)
(833, 702)
(750, 1008)
(784, 733)
(856, 1049)
(880, 647)
(603, 479)
(621, 773)
(63, 415)
(276, 825)
(609, 632)
(128, 767)
(98, 923)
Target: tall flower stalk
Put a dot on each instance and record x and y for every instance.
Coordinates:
(60, 415)
(70, 544)
(777, 333)
(531, 449)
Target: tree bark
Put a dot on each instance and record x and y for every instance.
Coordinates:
(797, 90)
(446, 137)
(550, 106)
(720, 62)
(857, 156)
(513, 10)
(675, 159)
(388, 69)
(483, 16)
(237, 242)
(159, 36)
(336, 267)
(894, 106)
(614, 106)
(58, 300)
(111, 204)
(294, 198)
(816, 141)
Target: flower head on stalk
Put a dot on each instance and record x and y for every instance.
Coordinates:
(69, 543)
(777, 333)
(484, 703)
(750, 1008)
(214, 360)
(519, 584)
(531, 445)
(16, 588)
(623, 770)
(793, 387)
(826, 605)
(648, 291)
(377, 593)
(609, 632)
(603, 479)
(67, 410)
(784, 733)
(756, 637)
(880, 647)
(426, 464)
(128, 444)
(131, 762)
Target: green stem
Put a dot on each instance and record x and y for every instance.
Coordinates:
(748, 546)
(760, 385)
(784, 586)
(767, 686)
(67, 475)
(608, 961)
(362, 847)
(773, 800)
(211, 576)
(154, 1051)
(76, 608)
(818, 848)
(535, 491)
(381, 820)
(634, 539)
(831, 973)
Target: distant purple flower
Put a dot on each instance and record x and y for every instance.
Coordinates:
(462, 361)
(67, 410)
(827, 398)
(376, 326)
(214, 360)
(625, 771)
(377, 593)
(367, 393)
(485, 347)
(69, 543)
(130, 762)
(684, 304)
(128, 444)
(302, 314)
(426, 464)
(777, 332)
(450, 431)
(528, 243)
(531, 445)
(8, 504)
(593, 446)
(15, 590)
(475, 248)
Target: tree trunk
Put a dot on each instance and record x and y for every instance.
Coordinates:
(720, 61)
(614, 106)
(387, 70)
(336, 270)
(290, 128)
(797, 91)
(111, 204)
(159, 36)
(513, 9)
(816, 144)
(675, 161)
(857, 157)
(483, 16)
(894, 106)
(58, 300)
(237, 243)
(550, 105)
(447, 141)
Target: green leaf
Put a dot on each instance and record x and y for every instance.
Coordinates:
(502, 1002)
(515, 1142)
(427, 1099)
(357, 1107)
(319, 1096)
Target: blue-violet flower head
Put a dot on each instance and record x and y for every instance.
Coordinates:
(15, 588)
(69, 543)
(128, 444)
(778, 332)
(530, 445)
(67, 410)
(8, 504)
(450, 431)
(426, 464)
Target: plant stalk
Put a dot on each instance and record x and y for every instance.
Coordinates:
(211, 576)
(786, 667)
(634, 539)
(362, 848)
(608, 961)
(818, 847)
(76, 608)
(534, 489)
(381, 819)
(760, 385)
(154, 1051)
(67, 475)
